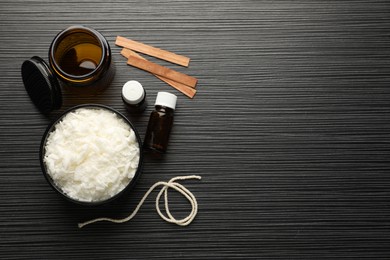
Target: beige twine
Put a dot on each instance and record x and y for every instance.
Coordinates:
(169, 218)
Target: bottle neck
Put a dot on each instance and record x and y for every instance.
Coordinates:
(164, 109)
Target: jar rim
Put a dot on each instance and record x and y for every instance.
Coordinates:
(78, 29)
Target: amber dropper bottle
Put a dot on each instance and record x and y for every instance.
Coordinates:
(160, 123)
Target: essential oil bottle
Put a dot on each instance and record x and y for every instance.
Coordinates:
(160, 123)
(134, 96)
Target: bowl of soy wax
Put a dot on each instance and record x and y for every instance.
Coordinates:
(91, 154)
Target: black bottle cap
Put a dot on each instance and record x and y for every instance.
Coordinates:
(41, 85)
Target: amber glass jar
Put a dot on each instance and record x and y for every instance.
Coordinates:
(80, 56)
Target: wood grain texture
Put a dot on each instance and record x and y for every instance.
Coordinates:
(289, 130)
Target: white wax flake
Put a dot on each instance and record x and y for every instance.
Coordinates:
(92, 154)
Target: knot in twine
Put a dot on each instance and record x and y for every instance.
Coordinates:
(164, 190)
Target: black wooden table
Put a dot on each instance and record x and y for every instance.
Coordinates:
(289, 131)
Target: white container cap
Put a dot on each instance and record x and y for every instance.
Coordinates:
(166, 99)
(133, 92)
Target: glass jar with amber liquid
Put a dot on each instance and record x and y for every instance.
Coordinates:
(81, 56)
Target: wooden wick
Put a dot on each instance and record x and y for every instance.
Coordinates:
(162, 71)
(186, 90)
(152, 51)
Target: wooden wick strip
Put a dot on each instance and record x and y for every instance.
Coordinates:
(162, 71)
(152, 51)
(186, 90)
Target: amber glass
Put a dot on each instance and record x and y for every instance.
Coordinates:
(158, 130)
(81, 56)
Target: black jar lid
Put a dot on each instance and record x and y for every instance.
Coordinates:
(41, 85)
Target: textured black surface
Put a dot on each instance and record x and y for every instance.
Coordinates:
(289, 130)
